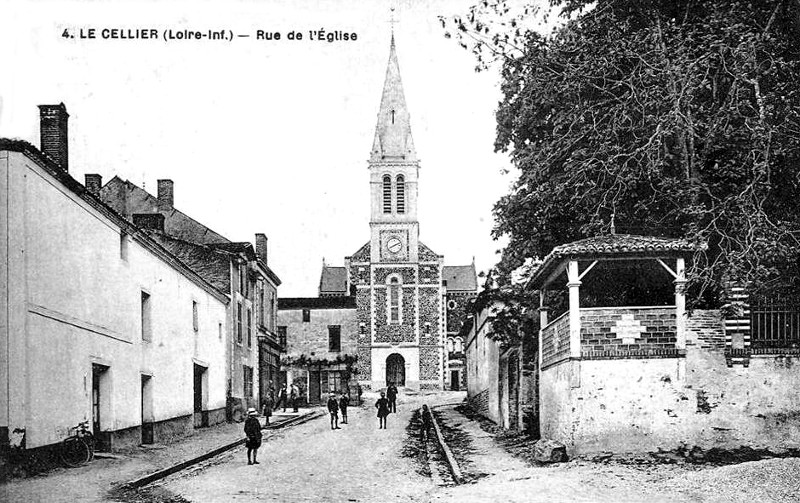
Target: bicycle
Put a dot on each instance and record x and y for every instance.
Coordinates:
(78, 448)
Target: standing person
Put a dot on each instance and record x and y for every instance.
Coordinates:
(252, 429)
(282, 397)
(426, 423)
(344, 402)
(359, 391)
(383, 410)
(294, 396)
(268, 406)
(333, 409)
(391, 394)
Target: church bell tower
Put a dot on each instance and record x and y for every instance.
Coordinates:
(394, 170)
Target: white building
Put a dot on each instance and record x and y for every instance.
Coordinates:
(98, 321)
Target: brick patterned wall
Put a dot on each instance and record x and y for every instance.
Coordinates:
(628, 333)
(395, 333)
(363, 310)
(426, 254)
(429, 363)
(364, 364)
(429, 301)
(458, 313)
(705, 328)
(555, 341)
(362, 255)
(406, 273)
(429, 274)
(359, 274)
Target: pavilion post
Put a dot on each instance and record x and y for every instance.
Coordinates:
(542, 321)
(680, 304)
(574, 284)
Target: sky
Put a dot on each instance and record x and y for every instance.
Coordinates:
(265, 136)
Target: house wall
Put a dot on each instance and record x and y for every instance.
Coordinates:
(646, 404)
(74, 301)
(483, 374)
(311, 338)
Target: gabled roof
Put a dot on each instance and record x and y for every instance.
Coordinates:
(393, 132)
(333, 280)
(127, 198)
(340, 302)
(613, 246)
(143, 237)
(460, 278)
(362, 255)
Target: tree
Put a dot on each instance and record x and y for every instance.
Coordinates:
(673, 118)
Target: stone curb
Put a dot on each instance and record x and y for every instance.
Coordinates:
(448, 454)
(165, 472)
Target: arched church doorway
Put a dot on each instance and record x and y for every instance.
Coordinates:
(395, 370)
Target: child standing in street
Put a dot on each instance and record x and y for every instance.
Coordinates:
(383, 410)
(344, 402)
(252, 429)
(333, 409)
(426, 423)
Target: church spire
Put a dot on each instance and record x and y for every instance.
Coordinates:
(393, 132)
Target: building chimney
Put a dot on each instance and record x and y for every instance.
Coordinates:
(93, 183)
(53, 133)
(261, 247)
(149, 221)
(166, 195)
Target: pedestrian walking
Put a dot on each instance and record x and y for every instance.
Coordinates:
(391, 394)
(282, 398)
(294, 397)
(333, 409)
(344, 402)
(252, 429)
(427, 422)
(383, 410)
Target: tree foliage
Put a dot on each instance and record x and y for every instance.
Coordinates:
(666, 117)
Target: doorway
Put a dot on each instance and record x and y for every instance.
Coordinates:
(99, 405)
(147, 409)
(395, 370)
(455, 380)
(200, 415)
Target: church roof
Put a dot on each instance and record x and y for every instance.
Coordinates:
(333, 280)
(393, 132)
(461, 278)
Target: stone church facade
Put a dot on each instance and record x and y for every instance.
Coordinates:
(399, 283)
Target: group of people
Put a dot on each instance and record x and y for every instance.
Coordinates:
(288, 397)
(386, 404)
(335, 406)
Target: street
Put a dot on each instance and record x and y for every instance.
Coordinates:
(311, 462)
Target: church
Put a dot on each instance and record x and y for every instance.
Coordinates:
(407, 300)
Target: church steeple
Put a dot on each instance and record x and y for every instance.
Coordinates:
(393, 140)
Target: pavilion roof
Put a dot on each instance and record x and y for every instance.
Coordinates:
(611, 246)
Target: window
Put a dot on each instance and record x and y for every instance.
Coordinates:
(393, 114)
(261, 305)
(387, 194)
(459, 345)
(394, 301)
(271, 311)
(243, 284)
(249, 327)
(195, 318)
(123, 245)
(147, 329)
(248, 381)
(401, 194)
(334, 338)
(282, 336)
(306, 315)
(450, 346)
(219, 330)
(239, 322)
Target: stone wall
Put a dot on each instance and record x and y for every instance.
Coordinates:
(647, 404)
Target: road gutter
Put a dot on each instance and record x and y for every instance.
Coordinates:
(166, 472)
(448, 454)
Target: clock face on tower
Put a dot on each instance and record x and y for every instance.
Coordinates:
(394, 245)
